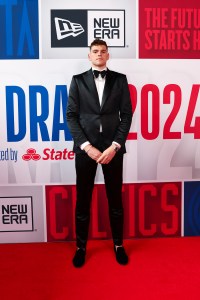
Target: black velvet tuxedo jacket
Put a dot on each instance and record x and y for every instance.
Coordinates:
(85, 115)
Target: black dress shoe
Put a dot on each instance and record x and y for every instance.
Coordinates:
(121, 255)
(79, 258)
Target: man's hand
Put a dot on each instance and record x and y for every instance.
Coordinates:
(107, 155)
(92, 152)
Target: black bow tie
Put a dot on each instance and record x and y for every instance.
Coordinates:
(102, 73)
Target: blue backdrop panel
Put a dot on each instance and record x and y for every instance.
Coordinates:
(192, 208)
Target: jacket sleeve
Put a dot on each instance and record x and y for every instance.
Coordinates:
(73, 114)
(125, 114)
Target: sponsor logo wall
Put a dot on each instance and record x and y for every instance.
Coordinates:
(162, 165)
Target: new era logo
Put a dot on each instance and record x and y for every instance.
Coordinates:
(16, 214)
(78, 28)
(65, 28)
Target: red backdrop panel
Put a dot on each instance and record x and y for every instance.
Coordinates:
(150, 210)
(169, 29)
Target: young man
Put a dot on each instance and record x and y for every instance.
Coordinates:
(99, 115)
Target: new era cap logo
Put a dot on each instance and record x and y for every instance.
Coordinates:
(78, 28)
(16, 214)
(65, 28)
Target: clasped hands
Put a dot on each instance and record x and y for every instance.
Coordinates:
(98, 156)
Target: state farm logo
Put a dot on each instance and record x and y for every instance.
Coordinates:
(78, 28)
(48, 154)
(16, 214)
(31, 154)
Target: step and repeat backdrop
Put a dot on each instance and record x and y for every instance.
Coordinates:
(42, 45)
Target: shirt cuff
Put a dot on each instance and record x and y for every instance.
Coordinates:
(115, 143)
(82, 146)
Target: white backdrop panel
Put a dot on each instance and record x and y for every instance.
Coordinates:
(146, 160)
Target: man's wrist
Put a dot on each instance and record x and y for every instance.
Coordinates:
(115, 147)
(82, 146)
(87, 148)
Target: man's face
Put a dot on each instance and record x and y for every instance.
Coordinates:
(98, 56)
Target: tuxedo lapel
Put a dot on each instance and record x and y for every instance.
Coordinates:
(89, 80)
(110, 78)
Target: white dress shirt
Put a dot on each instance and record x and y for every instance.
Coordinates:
(100, 83)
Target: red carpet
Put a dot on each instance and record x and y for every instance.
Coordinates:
(167, 268)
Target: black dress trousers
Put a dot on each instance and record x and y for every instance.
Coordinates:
(85, 172)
